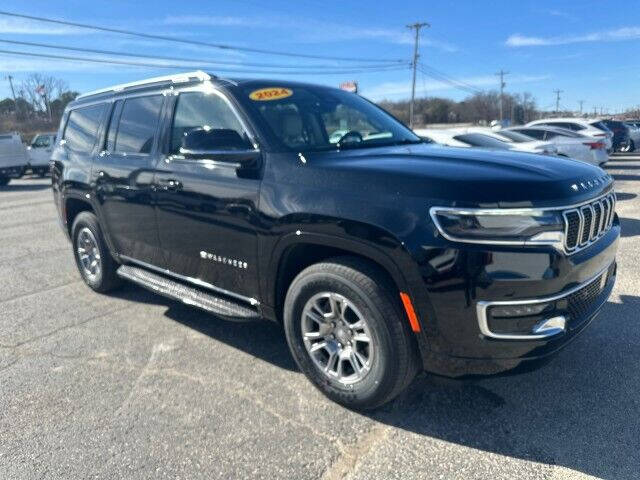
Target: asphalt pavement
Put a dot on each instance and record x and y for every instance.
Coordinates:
(132, 385)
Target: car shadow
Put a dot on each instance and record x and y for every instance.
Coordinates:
(578, 411)
(622, 196)
(261, 339)
(622, 167)
(630, 227)
(25, 187)
(625, 176)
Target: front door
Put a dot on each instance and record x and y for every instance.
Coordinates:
(207, 211)
(123, 178)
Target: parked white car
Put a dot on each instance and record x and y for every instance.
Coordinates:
(13, 157)
(590, 127)
(569, 143)
(40, 152)
(484, 138)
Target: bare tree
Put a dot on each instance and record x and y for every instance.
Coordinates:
(41, 89)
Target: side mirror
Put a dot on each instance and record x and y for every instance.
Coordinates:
(219, 144)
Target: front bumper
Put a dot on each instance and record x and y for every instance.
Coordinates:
(462, 285)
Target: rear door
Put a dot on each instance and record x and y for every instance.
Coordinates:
(207, 210)
(123, 177)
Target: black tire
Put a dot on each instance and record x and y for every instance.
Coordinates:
(106, 278)
(4, 181)
(395, 362)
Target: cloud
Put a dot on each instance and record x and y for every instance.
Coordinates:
(310, 31)
(213, 21)
(616, 35)
(395, 90)
(29, 27)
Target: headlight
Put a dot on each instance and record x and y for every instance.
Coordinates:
(499, 226)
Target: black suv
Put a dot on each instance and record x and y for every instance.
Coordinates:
(380, 255)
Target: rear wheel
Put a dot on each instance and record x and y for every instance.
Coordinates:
(347, 333)
(97, 267)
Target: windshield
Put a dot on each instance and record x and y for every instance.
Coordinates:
(41, 141)
(515, 136)
(307, 118)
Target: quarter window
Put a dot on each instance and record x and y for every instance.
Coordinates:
(81, 131)
(195, 110)
(138, 123)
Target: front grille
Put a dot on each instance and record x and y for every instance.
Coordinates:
(586, 224)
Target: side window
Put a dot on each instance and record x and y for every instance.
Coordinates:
(137, 125)
(81, 131)
(539, 134)
(208, 111)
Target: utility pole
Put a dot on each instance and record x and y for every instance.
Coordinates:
(13, 92)
(417, 26)
(557, 92)
(501, 74)
(581, 102)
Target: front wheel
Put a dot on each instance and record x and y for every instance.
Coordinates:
(347, 333)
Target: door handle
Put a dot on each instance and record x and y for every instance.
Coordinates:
(169, 185)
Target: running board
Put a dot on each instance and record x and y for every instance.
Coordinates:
(227, 309)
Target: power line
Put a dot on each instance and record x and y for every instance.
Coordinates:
(441, 77)
(451, 79)
(179, 59)
(196, 42)
(382, 68)
(416, 26)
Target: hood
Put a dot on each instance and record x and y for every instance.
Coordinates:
(464, 176)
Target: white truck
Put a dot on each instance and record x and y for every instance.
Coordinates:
(40, 153)
(13, 157)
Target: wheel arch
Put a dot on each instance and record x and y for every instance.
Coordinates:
(297, 250)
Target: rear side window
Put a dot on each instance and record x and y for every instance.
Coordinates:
(202, 110)
(479, 140)
(537, 134)
(82, 127)
(137, 126)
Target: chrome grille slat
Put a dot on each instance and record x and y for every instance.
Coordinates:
(585, 224)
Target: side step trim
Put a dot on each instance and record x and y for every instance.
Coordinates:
(227, 309)
(195, 281)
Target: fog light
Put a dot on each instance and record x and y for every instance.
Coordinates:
(551, 326)
(522, 310)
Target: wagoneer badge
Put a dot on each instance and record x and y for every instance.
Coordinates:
(224, 260)
(590, 183)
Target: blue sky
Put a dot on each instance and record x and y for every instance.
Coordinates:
(588, 49)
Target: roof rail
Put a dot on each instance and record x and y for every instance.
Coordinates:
(168, 80)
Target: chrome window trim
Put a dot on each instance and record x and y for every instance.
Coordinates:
(483, 306)
(195, 281)
(560, 246)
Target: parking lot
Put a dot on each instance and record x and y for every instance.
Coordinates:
(135, 386)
